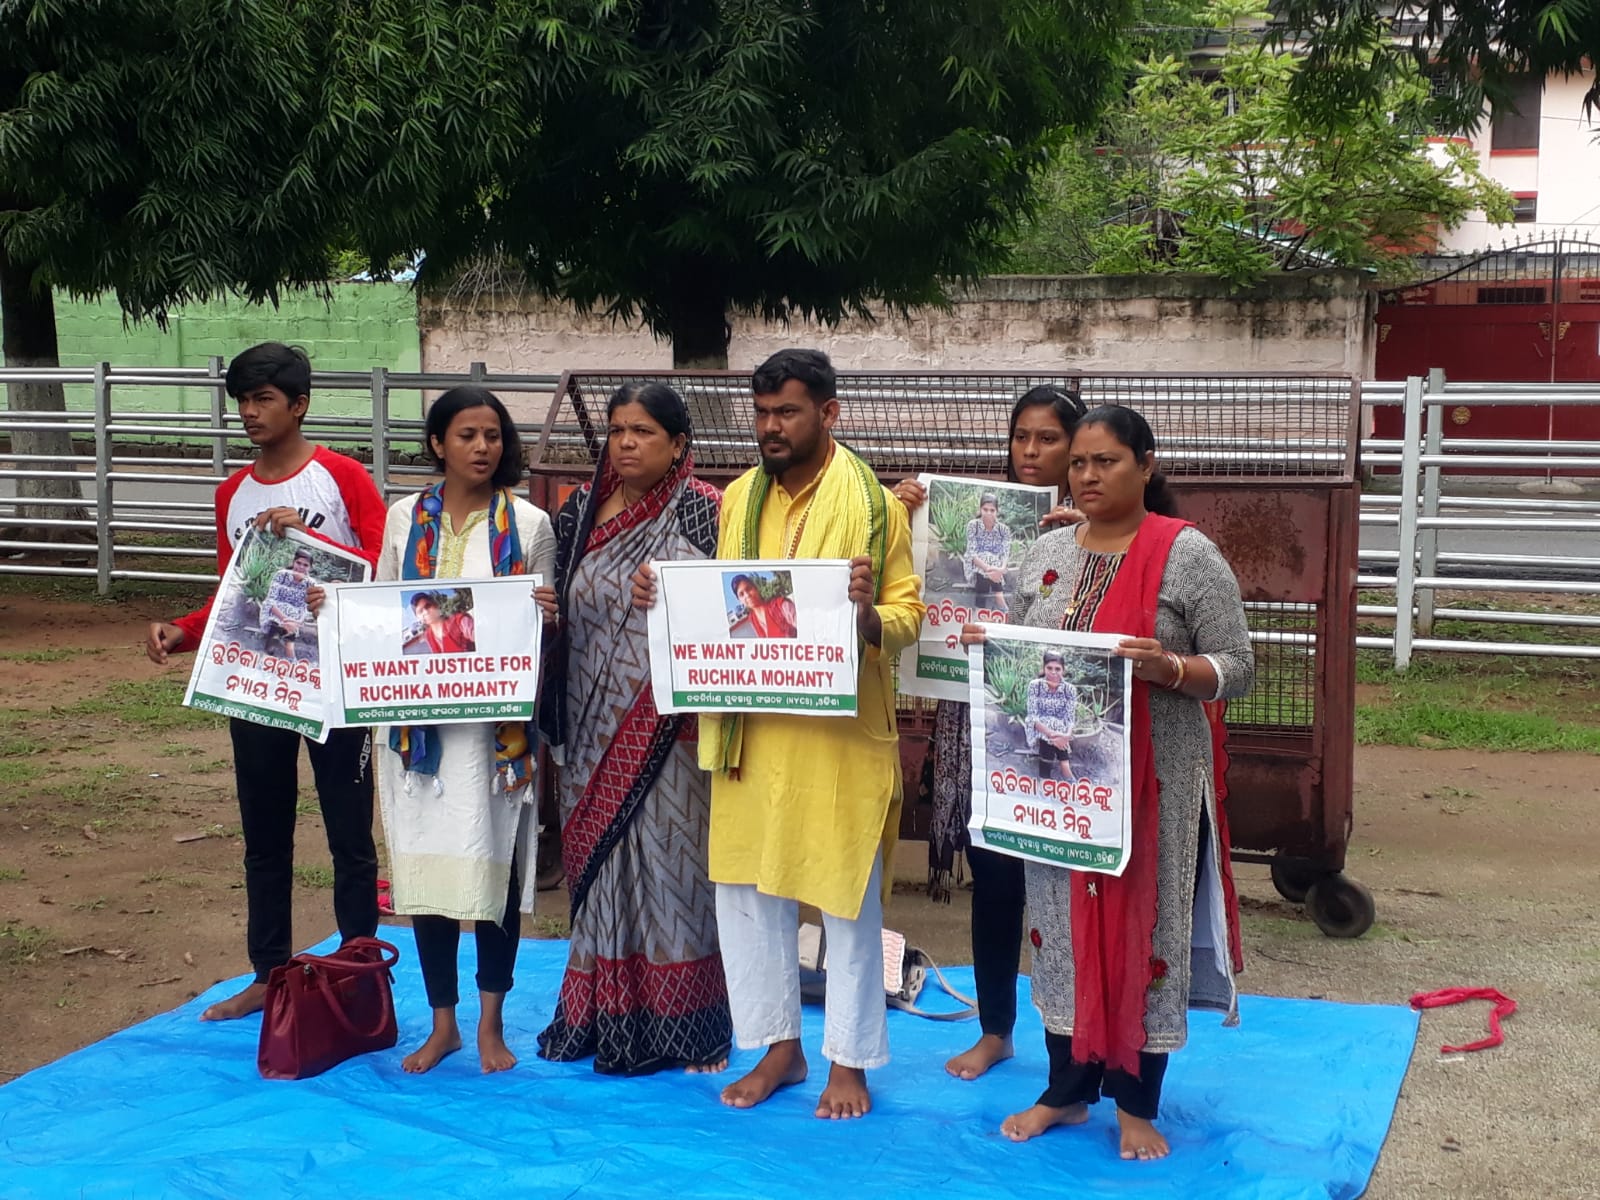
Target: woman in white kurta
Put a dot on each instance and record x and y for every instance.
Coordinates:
(458, 801)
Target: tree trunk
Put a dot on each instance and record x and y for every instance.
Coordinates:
(699, 320)
(28, 317)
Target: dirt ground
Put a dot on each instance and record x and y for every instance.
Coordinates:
(121, 896)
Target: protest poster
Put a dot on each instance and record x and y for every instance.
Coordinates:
(1050, 759)
(435, 651)
(261, 658)
(775, 636)
(967, 541)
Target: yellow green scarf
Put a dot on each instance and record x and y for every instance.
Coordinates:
(847, 516)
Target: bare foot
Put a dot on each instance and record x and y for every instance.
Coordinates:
(493, 1053)
(846, 1095)
(991, 1048)
(783, 1065)
(241, 1004)
(1031, 1122)
(1140, 1139)
(444, 1040)
(709, 1068)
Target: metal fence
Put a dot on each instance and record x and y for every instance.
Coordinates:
(127, 491)
(1432, 472)
(140, 459)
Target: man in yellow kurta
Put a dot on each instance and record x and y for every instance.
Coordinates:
(806, 809)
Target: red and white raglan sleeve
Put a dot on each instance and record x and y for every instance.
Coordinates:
(194, 624)
(362, 503)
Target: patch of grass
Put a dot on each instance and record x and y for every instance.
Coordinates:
(16, 747)
(14, 771)
(83, 589)
(180, 750)
(1425, 722)
(314, 876)
(153, 702)
(549, 927)
(12, 874)
(21, 943)
(40, 656)
(94, 905)
(214, 765)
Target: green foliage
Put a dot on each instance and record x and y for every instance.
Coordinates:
(1475, 49)
(1235, 172)
(783, 159)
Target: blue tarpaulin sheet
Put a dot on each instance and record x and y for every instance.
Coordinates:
(1293, 1104)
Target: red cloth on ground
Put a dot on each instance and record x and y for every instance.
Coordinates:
(1504, 1006)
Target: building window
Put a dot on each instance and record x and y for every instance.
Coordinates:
(1516, 124)
(1524, 207)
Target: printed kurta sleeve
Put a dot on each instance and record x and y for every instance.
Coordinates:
(899, 606)
(1212, 608)
(1028, 576)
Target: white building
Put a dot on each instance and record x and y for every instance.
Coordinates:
(1546, 155)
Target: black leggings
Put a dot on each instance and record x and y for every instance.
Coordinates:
(266, 767)
(1085, 1082)
(999, 900)
(438, 939)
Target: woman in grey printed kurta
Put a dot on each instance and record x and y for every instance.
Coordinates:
(1201, 651)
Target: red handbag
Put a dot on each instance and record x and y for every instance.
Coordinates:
(323, 1009)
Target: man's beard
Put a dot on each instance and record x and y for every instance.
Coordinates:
(777, 464)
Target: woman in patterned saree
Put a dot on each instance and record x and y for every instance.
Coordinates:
(644, 988)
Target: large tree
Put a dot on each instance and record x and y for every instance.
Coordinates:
(1218, 164)
(169, 151)
(786, 158)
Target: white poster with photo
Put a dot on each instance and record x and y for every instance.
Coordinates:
(1050, 756)
(764, 635)
(434, 651)
(262, 658)
(967, 541)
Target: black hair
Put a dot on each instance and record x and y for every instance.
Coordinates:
(299, 554)
(988, 498)
(665, 406)
(1061, 399)
(733, 584)
(810, 367)
(457, 400)
(270, 364)
(1134, 432)
(434, 598)
(1051, 656)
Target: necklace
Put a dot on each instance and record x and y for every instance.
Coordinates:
(629, 501)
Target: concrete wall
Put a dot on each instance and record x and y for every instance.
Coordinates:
(366, 325)
(1307, 321)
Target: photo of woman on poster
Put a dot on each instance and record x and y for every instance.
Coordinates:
(284, 610)
(762, 606)
(440, 622)
(986, 553)
(1052, 714)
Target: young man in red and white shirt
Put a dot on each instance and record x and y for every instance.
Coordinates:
(293, 484)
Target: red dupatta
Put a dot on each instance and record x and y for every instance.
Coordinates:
(1113, 929)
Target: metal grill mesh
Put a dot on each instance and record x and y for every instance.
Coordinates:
(1207, 426)
(1284, 697)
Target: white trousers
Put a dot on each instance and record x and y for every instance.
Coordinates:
(761, 957)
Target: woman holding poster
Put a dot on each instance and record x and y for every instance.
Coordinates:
(1042, 421)
(457, 800)
(1117, 961)
(644, 987)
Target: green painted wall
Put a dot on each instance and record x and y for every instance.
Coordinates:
(366, 325)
